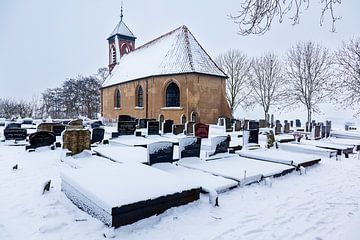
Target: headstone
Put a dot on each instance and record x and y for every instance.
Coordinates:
(96, 124)
(323, 130)
(254, 136)
(262, 123)
(142, 123)
(228, 125)
(97, 135)
(41, 139)
(328, 128)
(238, 126)
(57, 129)
(272, 121)
(167, 126)
(126, 127)
(76, 140)
(45, 127)
(317, 133)
(178, 129)
(291, 123)
(278, 127)
(286, 127)
(221, 121)
(125, 118)
(297, 123)
(153, 128)
(253, 125)
(13, 131)
(220, 144)
(267, 120)
(77, 122)
(189, 147)
(201, 130)
(246, 125)
(190, 128)
(160, 152)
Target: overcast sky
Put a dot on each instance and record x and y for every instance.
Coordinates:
(44, 42)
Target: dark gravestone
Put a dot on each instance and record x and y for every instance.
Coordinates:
(272, 121)
(277, 122)
(328, 128)
(41, 139)
(13, 131)
(201, 130)
(317, 133)
(142, 122)
(297, 123)
(238, 125)
(323, 131)
(160, 152)
(96, 124)
(153, 128)
(125, 118)
(228, 125)
(189, 147)
(246, 125)
(190, 128)
(57, 129)
(97, 135)
(253, 125)
(278, 128)
(291, 123)
(178, 129)
(220, 144)
(262, 123)
(286, 127)
(167, 126)
(254, 136)
(221, 121)
(114, 134)
(126, 127)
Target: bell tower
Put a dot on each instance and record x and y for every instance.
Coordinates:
(121, 41)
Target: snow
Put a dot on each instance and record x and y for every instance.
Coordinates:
(326, 144)
(300, 148)
(122, 29)
(173, 53)
(346, 134)
(123, 154)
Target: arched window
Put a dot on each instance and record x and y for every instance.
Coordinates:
(117, 98)
(140, 97)
(194, 117)
(172, 95)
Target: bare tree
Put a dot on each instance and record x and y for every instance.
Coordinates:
(348, 61)
(256, 16)
(267, 81)
(310, 76)
(236, 65)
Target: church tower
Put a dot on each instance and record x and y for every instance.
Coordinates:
(121, 41)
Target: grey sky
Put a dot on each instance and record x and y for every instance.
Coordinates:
(43, 42)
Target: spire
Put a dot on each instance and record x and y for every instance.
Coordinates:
(121, 11)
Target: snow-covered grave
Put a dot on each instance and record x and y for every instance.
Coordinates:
(280, 156)
(345, 134)
(308, 149)
(340, 148)
(342, 141)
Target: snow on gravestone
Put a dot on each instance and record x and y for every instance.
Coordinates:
(153, 128)
(219, 144)
(41, 139)
(97, 135)
(76, 140)
(201, 130)
(178, 129)
(167, 126)
(13, 131)
(160, 152)
(189, 147)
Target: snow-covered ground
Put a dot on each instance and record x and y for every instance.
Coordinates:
(323, 204)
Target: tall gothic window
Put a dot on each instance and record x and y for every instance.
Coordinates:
(172, 95)
(140, 97)
(117, 99)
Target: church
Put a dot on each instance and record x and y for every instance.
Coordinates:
(170, 77)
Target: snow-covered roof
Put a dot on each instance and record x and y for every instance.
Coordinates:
(172, 53)
(122, 29)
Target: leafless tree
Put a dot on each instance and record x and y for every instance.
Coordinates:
(310, 76)
(267, 81)
(256, 16)
(236, 65)
(348, 61)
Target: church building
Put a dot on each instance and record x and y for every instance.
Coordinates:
(170, 77)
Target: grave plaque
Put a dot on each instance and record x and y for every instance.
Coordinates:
(253, 125)
(97, 135)
(125, 118)
(220, 144)
(201, 130)
(297, 123)
(126, 127)
(11, 133)
(153, 128)
(167, 126)
(190, 128)
(262, 123)
(178, 129)
(13, 125)
(41, 139)
(254, 136)
(238, 125)
(189, 147)
(76, 140)
(160, 152)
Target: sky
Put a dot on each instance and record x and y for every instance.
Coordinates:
(44, 42)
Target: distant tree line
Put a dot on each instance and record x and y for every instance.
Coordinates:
(79, 96)
(307, 76)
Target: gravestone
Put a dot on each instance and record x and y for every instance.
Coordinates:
(125, 118)
(297, 123)
(167, 126)
(160, 152)
(228, 125)
(262, 123)
(272, 121)
(178, 129)
(77, 122)
(96, 124)
(328, 128)
(317, 134)
(142, 122)
(267, 120)
(57, 129)
(189, 147)
(221, 121)
(323, 130)
(254, 136)
(45, 127)
(291, 123)
(278, 127)
(190, 128)
(76, 140)
(13, 131)
(246, 125)
(253, 125)
(238, 126)
(153, 128)
(201, 130)
(41, 139)
(97, 135)
(126, 127)
(220, 144)
(286, 127)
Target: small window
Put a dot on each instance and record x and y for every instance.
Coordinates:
(113, 50)
(172, 95)
(117, 99)
(140, 97)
